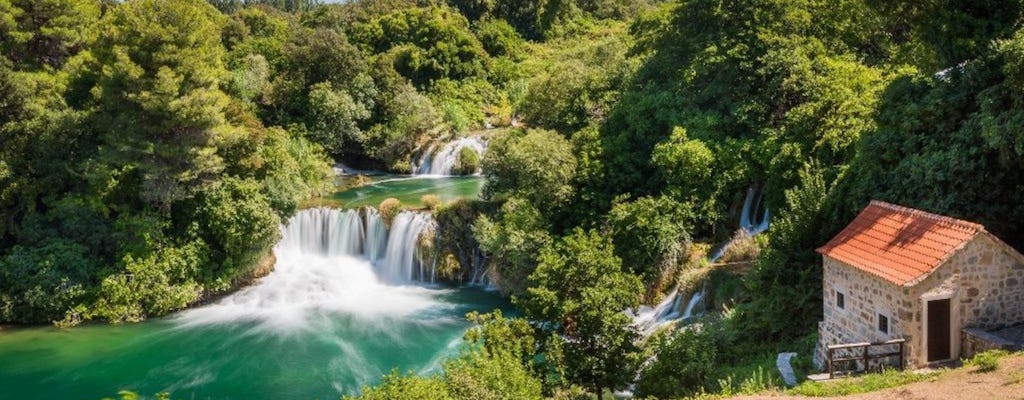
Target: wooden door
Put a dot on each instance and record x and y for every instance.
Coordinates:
(939, 336)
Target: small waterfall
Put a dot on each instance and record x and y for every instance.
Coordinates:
(325, 231)
(376, 236)
(748, 217)
(649, 319)
(694, 301)
(442, 161)
(403, 260)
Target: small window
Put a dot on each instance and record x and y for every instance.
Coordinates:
(840, 300)
(883, 323)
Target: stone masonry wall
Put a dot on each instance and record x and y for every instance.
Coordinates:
(984, 281)
(865, 297)
(991, 292)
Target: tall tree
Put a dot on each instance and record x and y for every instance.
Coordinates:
(578, 293)
(158, 99)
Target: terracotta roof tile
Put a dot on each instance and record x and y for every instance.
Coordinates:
(899, 244)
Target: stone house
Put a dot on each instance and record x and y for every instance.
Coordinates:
(897, 272)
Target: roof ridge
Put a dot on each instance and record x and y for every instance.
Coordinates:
(937, 217)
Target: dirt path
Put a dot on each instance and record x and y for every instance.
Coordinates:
(961, 384)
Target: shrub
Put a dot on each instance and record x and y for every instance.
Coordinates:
(684, 365)
(389, 209)
(468, 163)
(430, 201)
(742, 248)
(987, 361)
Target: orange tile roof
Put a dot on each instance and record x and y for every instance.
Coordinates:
(899, 244)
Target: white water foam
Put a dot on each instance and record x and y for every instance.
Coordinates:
(324, 267)
(442, 161)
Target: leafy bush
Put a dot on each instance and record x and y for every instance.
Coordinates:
(686, 360)
(987, 361)
(468, 162)
(430, 201)
(389, 209)
(652, 235)
(537, 166)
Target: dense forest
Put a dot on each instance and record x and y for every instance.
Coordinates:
(149, 150)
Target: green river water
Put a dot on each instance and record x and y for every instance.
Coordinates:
(318, 327)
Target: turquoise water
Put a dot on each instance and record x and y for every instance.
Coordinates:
(330, 354)
(322, 324)
(409, 190)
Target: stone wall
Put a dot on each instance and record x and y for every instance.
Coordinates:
(974, 341)
(984, 281)
(866, 296)
(991, 291)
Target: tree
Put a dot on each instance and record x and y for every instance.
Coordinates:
(46, 32)
(578, 292)
(685, 362)
(537, 166)
(513, 242)
(427, 44)
(651, 236)
(159, 104)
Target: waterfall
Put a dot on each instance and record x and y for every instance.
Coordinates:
(434, 161)
(402, 258)
(334, 261)
(325, 231)
(649, 319)
(376, 236)
(748, 217)
(395, 252)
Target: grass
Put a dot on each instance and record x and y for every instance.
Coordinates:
(862, 384)
(987, 361)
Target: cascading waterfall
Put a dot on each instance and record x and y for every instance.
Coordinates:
(748, 217)
(403, 260)
(435, 161)
(330, 260)
(649, 319)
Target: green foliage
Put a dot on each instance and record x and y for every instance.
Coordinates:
(154, 285)
(41, 283)
(651, 236)
(409, 115)
(238, 221)
(537, 166)
(39, 33)
(987, 361)
(498, 362)
(577, 293)
(500, 39)
(686, 360)
(405, 387)
(161, 108)
(863, 384)
(513, 241)
(468, 162)
(426, 43)
(133, 184)
(578, 83)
